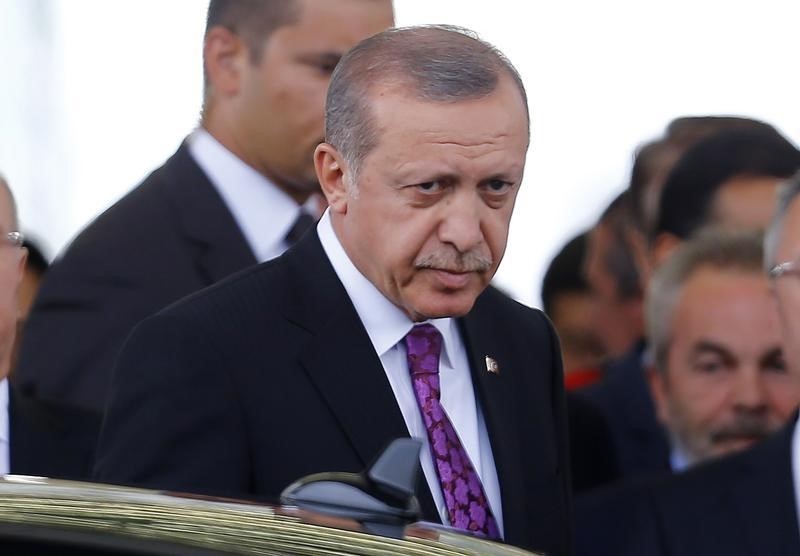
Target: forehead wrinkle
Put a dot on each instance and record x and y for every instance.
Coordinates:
(451, 167)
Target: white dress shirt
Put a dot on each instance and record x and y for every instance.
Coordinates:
(386, 326)
(678, 460)
(5, 434)
(264, 212)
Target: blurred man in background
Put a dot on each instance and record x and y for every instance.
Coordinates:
(728, 179)
(239, 190)
(690, 193)
(36, 438)
(652, 165)
(721, 385)
(611, 273)
(568, 302)
(719, 379)
(742, 505)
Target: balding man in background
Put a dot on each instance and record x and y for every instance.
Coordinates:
(238, 191)
(36, 438)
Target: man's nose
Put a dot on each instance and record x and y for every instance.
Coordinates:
(461, 222)
(749, 392)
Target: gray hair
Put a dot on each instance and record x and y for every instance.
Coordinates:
(787, 193)
(437, 63)
(715, 248)
(13, 204)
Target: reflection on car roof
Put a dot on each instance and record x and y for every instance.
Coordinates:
(104, 517)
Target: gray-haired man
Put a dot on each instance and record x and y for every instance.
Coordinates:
(719, 380)
(377, 326)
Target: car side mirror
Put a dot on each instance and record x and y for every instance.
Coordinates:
(382, 498)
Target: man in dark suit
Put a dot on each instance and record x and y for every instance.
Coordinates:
(50, 440)
(728, 179)
(379, 325)
(742, 505)
(718, 378)
(236, 192)
(639, 443)
(36, 438)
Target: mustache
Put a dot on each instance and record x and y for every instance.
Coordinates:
(744, 427)
(453, 261)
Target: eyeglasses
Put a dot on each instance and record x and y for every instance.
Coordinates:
(15, 239)
(782, 269)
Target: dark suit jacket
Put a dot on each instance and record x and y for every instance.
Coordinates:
(592, 458)
(250, 384)
(640, 444)
(170, 236)
(50, 440)
(743, 505)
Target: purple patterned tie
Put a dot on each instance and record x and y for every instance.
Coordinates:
(463, 493)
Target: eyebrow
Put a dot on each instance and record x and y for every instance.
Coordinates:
(328, 57)
(705, 346)
(776, 351)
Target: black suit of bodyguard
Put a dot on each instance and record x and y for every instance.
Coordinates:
(174, 234)
(169, 237)
(272, 374)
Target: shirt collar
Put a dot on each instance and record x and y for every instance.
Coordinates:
(385, 323)
(263, 211)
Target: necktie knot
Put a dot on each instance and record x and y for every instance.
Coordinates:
(424, 346)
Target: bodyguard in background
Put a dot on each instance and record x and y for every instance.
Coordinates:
(239, 190)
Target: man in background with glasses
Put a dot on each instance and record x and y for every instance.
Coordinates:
(36, 438)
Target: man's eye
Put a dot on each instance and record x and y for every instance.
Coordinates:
(776, 364)
(708, 365)
(498, 186)
(326, 67)
(429, 186)
(324, 64)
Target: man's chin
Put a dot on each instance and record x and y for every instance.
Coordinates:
(443, 306)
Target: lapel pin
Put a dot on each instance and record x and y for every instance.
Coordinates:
(492, 366)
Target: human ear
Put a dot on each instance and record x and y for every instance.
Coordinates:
(332, 174)
(224, 52)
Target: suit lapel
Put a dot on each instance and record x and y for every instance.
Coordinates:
(205, 219)
(341, 361)
(495, 393)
